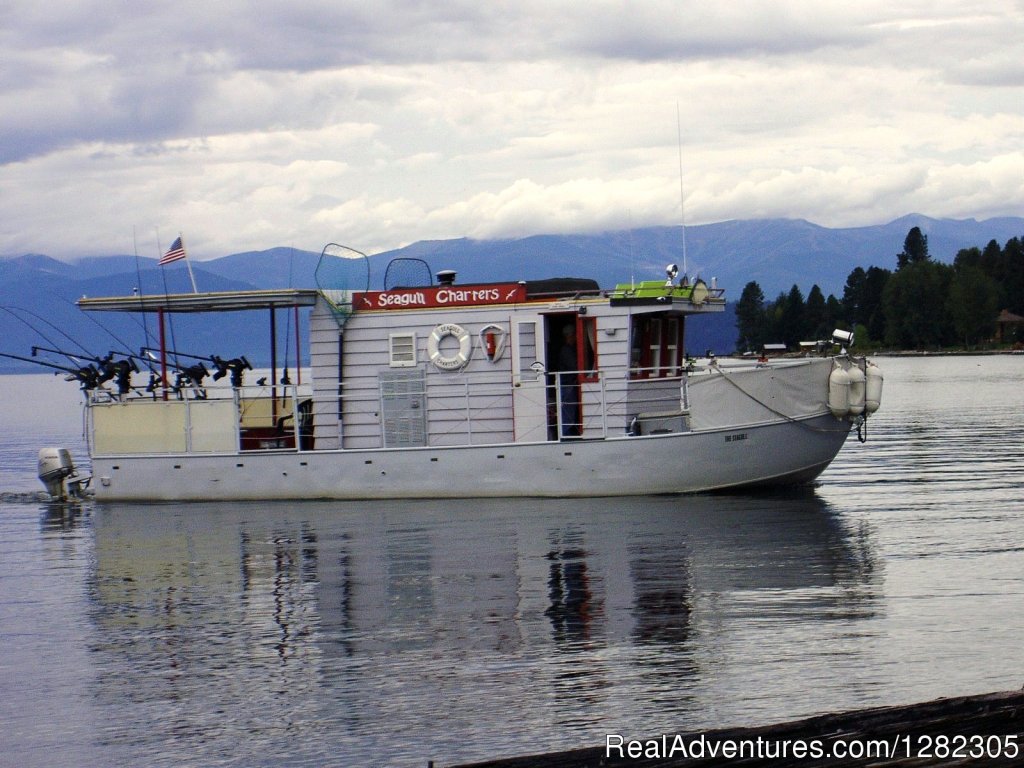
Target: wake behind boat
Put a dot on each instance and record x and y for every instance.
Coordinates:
(437, 389)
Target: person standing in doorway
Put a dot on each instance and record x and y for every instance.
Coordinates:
(568, 381)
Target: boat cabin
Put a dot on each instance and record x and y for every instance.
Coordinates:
(436, 365)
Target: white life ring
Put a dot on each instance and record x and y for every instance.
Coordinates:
(460, 358)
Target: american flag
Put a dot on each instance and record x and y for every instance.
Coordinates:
(175, 252)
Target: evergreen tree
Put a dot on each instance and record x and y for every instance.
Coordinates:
(967, 257)
(853, 295)
(834, 316)
(915, 249)
(992, 260)
(1013, 260)
(862, 300)
(750, 318)
(973, 305)
(773, 326)
(814, 316)
(873, 306)
(914, 303)
(791, 317)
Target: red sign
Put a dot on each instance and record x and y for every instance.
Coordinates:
(441, 296)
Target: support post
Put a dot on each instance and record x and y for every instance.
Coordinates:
(273, 365)
(163, 352)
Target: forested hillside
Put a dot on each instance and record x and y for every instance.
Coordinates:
(921, 304)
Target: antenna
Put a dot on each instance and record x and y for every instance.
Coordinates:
(632, 253)
(682, 196)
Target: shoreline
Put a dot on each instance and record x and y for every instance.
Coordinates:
(947, 353)
(984, 729)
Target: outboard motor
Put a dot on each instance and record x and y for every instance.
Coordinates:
(55, 466)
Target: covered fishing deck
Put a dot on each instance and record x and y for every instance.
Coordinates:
(229, 301)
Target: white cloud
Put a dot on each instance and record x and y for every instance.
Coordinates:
(250, 125)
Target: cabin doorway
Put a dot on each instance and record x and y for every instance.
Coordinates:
(553, 355)
(565, 406)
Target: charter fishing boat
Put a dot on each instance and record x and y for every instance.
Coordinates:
(430, 388)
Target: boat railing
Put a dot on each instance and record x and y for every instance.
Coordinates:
(435, 410)
(477, 409)
(200, 420)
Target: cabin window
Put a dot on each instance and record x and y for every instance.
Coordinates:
(670, 359)
(402, 350)
(656, 346)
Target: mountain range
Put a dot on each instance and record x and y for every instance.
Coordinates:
(37, 293)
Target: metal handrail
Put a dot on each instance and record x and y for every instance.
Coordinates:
(610, 398)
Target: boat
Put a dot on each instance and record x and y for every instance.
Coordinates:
(431, 388)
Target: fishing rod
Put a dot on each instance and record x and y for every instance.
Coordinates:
(74, 355)
(187, 375)
(235, 367)
(91, 376)
(88, 376)
(144, 350)
(155, 379)
(109, 332)
(106, 360)
(76, 359)
(195, 372)
(108, 368)
(10, 310)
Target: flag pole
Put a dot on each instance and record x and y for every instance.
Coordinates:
(188, 264)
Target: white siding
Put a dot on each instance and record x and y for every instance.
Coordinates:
(324, 335)
(459, 413)
(612, 354)
(489, 400)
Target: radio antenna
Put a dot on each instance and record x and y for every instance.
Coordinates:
(682, 196)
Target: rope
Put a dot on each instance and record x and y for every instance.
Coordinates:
(772, 410)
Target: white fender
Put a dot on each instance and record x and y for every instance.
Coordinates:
(857, 380)
(839, 392)
(460, 358)
(699, 293)
(873, 388)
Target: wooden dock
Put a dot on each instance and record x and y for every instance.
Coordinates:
(984, 730)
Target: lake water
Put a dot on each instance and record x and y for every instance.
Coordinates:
(390, 634)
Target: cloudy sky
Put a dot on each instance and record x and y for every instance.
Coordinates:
(247, 125)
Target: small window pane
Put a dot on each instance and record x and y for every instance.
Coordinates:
(403, 350)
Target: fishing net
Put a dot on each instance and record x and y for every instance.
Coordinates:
(340, 272)
(405, 272)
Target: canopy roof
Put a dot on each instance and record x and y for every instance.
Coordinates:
(226, 301)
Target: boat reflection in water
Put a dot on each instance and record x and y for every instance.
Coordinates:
(468, 628)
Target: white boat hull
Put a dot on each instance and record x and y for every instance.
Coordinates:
(779, 452)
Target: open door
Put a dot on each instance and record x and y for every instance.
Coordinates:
(529, 381)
